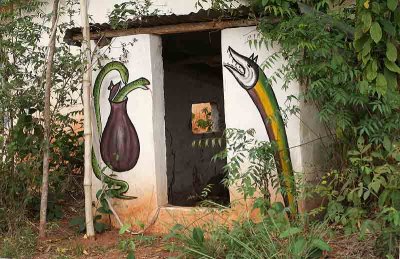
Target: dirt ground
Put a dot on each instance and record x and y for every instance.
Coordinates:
(63, 242)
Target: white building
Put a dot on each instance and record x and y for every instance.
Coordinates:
(182, 55)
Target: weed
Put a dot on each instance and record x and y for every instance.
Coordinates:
(274, 237)
(20, 244)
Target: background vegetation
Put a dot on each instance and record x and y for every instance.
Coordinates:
(22, 59)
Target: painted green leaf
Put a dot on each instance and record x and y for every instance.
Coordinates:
(391, 52)
(392, 4)
(376, 32)
(392, 66)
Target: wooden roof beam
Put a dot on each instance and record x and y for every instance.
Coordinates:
(169, 29)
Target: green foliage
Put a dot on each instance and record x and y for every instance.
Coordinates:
(217, 4)
(345, 55)
(130, 10)
(206, 123)
(20, 244)
(274, 237)
(352, 76)
(258, 174)
(22, 66)
(80, 224)
(128, 246)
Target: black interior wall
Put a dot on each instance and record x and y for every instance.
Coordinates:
(192, 74)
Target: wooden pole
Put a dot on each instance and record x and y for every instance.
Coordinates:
(46, 146)
(87, 78)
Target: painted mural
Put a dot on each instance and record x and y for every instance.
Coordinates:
(119, 142)
(253, 79)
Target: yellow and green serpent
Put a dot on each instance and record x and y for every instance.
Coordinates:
(252, 78)
(116, 188)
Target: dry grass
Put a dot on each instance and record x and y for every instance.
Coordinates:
(350, 246)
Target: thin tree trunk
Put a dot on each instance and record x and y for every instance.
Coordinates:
(87, 78)
(46, 148)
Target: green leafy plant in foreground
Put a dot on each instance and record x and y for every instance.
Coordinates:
(273, 237)
(80, 224)
(250, 170)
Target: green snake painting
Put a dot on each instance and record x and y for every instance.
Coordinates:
(119, 142)
(253, 79)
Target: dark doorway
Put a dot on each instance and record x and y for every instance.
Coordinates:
(194, 110)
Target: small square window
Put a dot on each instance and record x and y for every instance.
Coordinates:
(205, 118)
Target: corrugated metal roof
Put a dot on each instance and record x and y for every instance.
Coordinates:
(160, 20)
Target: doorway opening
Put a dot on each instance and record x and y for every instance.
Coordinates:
(194, 111)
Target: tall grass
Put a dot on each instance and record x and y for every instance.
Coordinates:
(273, 237)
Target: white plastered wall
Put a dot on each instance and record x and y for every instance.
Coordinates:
(240, 111)
(146, 111)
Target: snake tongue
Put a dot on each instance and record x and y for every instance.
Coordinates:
(114, 89)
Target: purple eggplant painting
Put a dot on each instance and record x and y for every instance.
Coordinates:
(119, 142)
(119, 145)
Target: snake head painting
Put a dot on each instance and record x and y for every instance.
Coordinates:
(252, 78)
(244, 69)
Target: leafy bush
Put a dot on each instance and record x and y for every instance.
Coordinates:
(22, 64)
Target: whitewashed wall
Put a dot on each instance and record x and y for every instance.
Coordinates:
(240, 111)
(146, 111)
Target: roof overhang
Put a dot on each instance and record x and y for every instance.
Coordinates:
(203, 20)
